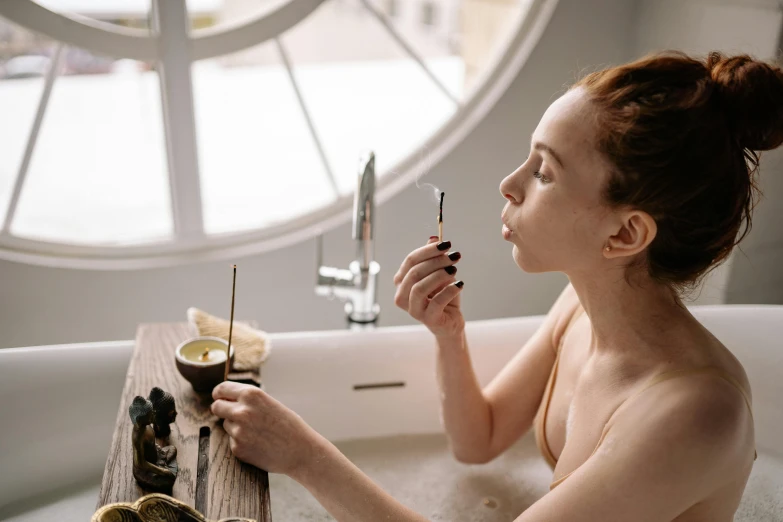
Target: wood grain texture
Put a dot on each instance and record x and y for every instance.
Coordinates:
(202, 471)
(234, 489)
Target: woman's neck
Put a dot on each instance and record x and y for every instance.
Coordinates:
(629, 317)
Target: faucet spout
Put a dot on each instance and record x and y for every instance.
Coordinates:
(357, 285)
(364, 211)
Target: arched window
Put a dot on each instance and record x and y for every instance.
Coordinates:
(151, 132)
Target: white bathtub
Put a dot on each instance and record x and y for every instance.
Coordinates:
(58, 405)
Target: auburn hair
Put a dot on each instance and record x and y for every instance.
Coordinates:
(682, 136)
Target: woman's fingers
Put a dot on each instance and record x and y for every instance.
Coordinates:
(418, 273)
(225, 409)
(240, 441)
(419, 297)
(228, 390)
(230, 427)
(442, 299)
(433, 290)
(430, 250)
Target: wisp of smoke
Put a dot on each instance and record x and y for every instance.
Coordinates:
(431, 189)
(431, 192)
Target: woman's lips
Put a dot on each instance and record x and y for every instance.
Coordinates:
(506, 232)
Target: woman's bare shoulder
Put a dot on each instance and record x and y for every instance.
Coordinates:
(706, 393)
(711, 352)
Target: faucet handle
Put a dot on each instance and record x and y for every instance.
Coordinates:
(319, 251)
(323, 275)
(322, 284)
(328, 278)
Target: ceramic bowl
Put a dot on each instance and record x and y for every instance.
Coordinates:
(203, 376)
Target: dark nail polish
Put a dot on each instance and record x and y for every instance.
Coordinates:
(444, 245)
(451, 270)
(459, 284)
(454, 256)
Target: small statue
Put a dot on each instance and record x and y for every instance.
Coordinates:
(154, 468)
(165, 411)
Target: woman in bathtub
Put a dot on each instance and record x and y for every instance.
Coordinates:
(638, 181)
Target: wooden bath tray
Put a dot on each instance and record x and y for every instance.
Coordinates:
(210, 478)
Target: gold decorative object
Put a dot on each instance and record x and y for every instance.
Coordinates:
(154, 507)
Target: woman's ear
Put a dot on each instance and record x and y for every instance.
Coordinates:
(637, 230)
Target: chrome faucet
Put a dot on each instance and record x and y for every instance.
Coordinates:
(357, 285)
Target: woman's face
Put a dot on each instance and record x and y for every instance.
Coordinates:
(555, 215)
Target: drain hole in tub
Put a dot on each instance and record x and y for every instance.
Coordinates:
(373, 386)
(490, 503)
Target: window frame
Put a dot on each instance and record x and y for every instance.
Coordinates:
(176, 54)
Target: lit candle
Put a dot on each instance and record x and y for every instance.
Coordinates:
(201, 361)
(204, 352)
(212, 357)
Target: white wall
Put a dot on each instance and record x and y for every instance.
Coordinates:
(47, 305)
(753, 274)
(700, 26)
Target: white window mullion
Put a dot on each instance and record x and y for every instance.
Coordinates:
(308, 118)
(402, 42)
(51, 75)
(172, 28)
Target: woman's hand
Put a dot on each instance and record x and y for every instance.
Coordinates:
(428, 290)
(263, 432)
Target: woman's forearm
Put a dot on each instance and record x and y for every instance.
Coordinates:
(466, 414)
(348, 494)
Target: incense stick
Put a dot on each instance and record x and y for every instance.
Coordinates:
(230, 325)
(440, 219)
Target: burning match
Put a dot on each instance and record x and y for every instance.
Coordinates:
(440, 218)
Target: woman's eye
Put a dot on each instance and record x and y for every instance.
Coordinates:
(540, 177)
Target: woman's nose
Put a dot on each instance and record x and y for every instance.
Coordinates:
(508, 190)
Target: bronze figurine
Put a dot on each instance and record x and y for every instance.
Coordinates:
(154, 468)
(165, 411)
